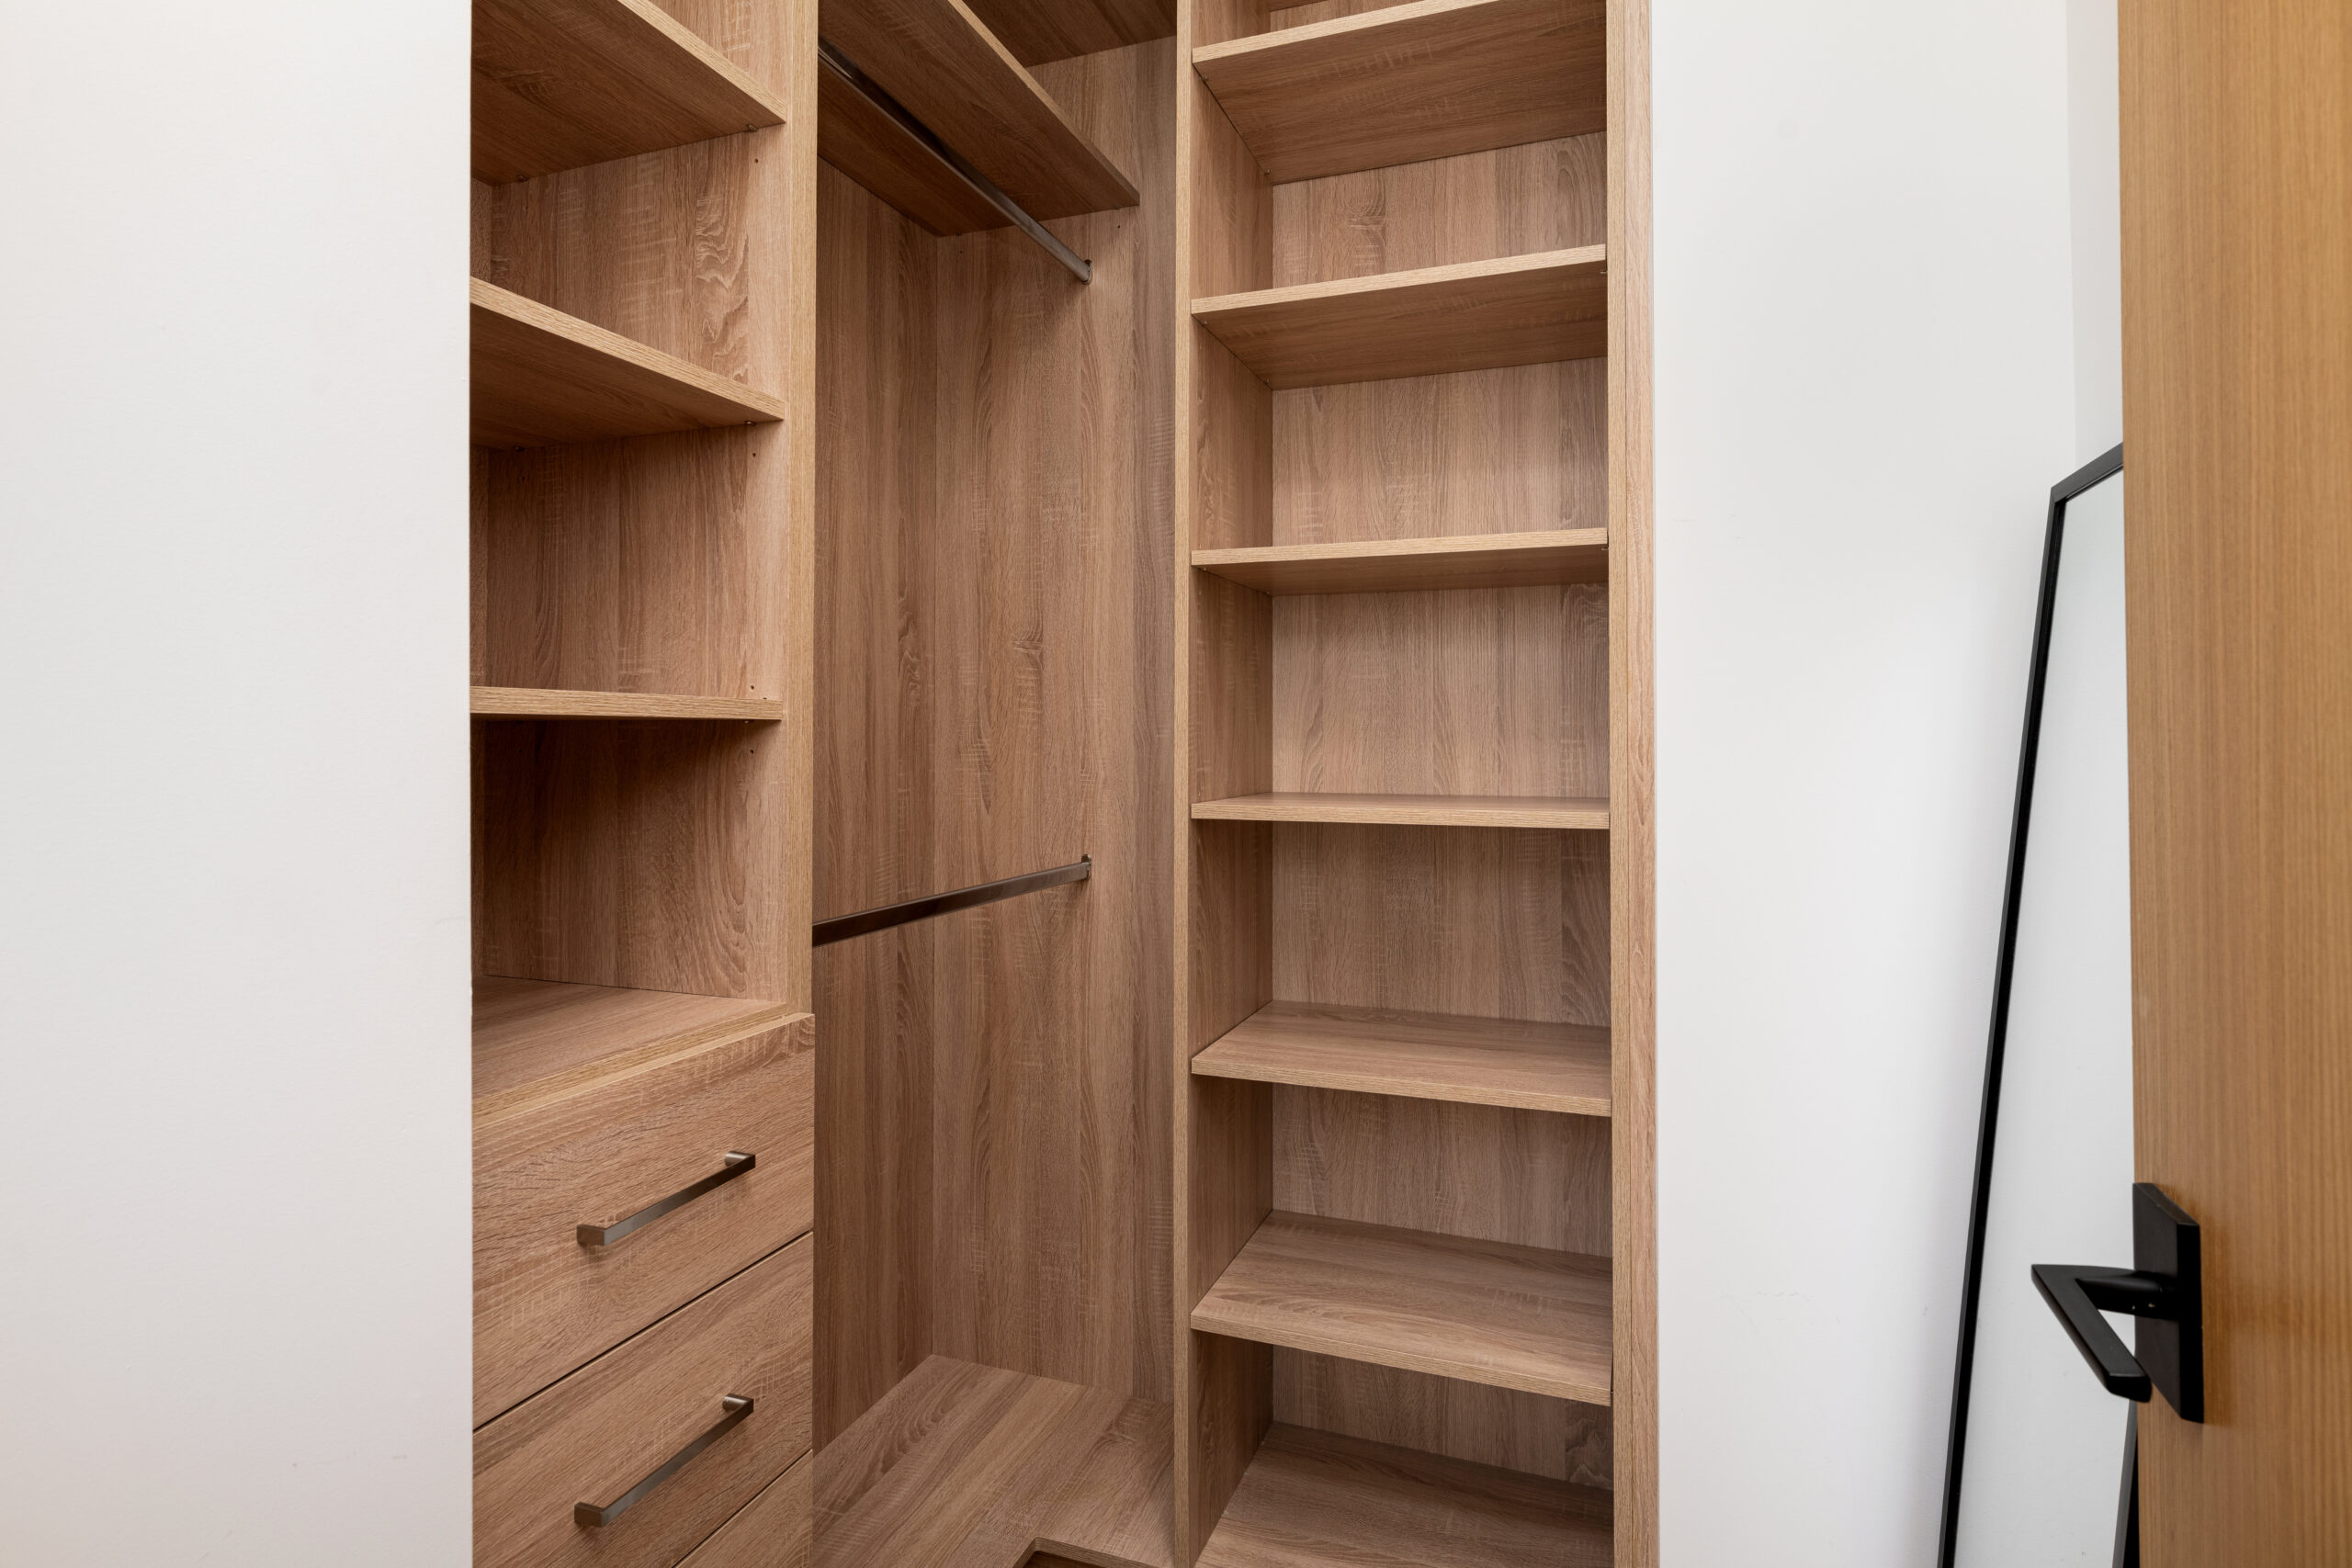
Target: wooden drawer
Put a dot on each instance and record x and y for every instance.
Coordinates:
(545, 1301)
(618, 1419)
(775, 1529)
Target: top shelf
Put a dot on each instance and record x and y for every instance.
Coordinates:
(561, 83)
(945, 67)
(1408, 83)
(535, 1036)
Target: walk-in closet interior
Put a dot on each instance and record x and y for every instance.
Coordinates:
(1060, 783)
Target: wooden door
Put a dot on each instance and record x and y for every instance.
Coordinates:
(2237, 377)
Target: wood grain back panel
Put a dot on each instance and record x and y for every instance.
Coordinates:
(1499, 691)
(996, 559)
(1477, 451)
(1533, 1433)
(1512, 201)
(1492, 923)
(646, 853)
(1491, 1172)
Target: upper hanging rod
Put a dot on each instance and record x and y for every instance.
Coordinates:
(842, 927)
(844, 67)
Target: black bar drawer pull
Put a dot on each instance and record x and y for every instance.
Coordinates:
(604, 1236)
(737, 1405)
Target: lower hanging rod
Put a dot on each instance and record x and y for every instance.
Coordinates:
(841, 927)
(866, 87)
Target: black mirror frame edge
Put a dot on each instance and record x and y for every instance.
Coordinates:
(2098, 470)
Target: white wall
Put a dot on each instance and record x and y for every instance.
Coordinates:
(1865, 389)
(233, 1126)
(2094, 137)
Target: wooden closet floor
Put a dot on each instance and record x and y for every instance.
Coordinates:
(965, 1466)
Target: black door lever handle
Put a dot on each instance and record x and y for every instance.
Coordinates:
(2165, 1293)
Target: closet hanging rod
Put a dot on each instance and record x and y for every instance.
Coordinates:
(842, 927)
(846, 69)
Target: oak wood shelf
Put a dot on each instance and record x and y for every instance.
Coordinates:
(945, 67)
(527, 702)
(1313, 1499)
(1421, 1055)
(1469, 316)
(961, 1465)
(1408, 810)
(1390, 566)
(545, 378)
(1407, 83)
(535, 1037)
(563, 84)
(1483, 1312)
(857, 138)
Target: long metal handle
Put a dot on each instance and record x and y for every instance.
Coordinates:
(604, 1236)
(737, 1405)
(841, 927)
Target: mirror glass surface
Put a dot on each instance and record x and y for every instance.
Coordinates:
(2044, 1448)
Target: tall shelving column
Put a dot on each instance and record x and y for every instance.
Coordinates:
(642, 312)
(1412, 1259)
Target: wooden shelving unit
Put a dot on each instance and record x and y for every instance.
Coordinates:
(1311, 1497)
(1413, 785)
(1483, 1312)
(1561, 1067)
(1403, 84)
(1407, 810)
(944, 65)
(1479, 315)
(518, 702)
(544, 378)
(642, 660)
(1399, 566)
(564, 84)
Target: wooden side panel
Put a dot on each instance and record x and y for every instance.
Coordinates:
(1490, 922)
(1501, 691)
(1477, 451)
(1513, 201)
(1530, 1432)
(2237, 314)
(1632, 839)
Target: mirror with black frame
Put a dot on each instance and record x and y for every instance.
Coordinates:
(2038, 1470)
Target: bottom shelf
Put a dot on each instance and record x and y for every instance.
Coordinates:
(965, 1466)
(1311, 1499)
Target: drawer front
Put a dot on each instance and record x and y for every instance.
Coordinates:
(773, 1530)
(622, 1417)
(544, 1301)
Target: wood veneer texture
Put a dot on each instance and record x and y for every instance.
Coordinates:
(1037, 31)
(770, 1531)
(965, 1466)
(1404, 83)
(941, 63)
(1410, 811)
(1483, 452)
(1483, 1312)
(1511, 201)
(1473, 1061)
(1532, 1433)
(1316, 1498)
(1401, 566)
(534, 1038)
(561, 83)
(1465, 692)
(996, 568)
(1491, 922)
(524, 702)
(1433, 320)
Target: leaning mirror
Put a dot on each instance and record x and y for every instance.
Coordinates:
(2035, 1472)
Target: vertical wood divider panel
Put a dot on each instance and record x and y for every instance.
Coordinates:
(1223, 885)
(1633, 839)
